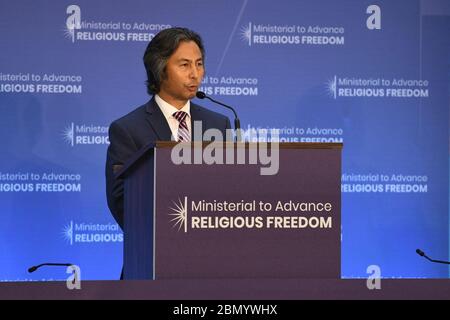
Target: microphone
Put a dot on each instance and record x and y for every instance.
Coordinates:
(237, 122)
(422, 254)
(34, 268)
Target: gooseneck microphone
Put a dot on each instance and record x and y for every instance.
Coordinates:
(237, 122)
(422, 254)
(34, 268)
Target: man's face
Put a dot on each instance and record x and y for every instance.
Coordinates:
(184, 73)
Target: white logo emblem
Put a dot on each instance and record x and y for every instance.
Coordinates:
(180, 214)
(68, 233)
(246, 33)
(68, 134)
(332, 87)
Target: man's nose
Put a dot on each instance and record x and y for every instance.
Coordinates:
(195, 72)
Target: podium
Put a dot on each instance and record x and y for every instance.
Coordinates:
(220, 216)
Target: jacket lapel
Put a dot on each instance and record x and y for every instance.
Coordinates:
(196, 116)
(157, 121)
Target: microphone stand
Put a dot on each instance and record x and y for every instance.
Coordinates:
(34, 268)
(237, 122)
(422, 254)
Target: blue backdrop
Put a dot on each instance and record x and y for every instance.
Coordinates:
(374, 75)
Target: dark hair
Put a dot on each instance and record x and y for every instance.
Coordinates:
(160, 48)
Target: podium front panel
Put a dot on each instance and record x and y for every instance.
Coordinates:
(229, 221)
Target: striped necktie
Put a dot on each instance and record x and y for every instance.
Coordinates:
(183, 131)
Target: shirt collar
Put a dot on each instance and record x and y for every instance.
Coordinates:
(168, 110)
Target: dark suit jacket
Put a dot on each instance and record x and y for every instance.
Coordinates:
(137, 129)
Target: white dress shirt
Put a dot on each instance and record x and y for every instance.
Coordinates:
(168, 110)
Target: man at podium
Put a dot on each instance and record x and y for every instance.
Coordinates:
(174, 62)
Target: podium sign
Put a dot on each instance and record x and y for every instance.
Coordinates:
(229, 221)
